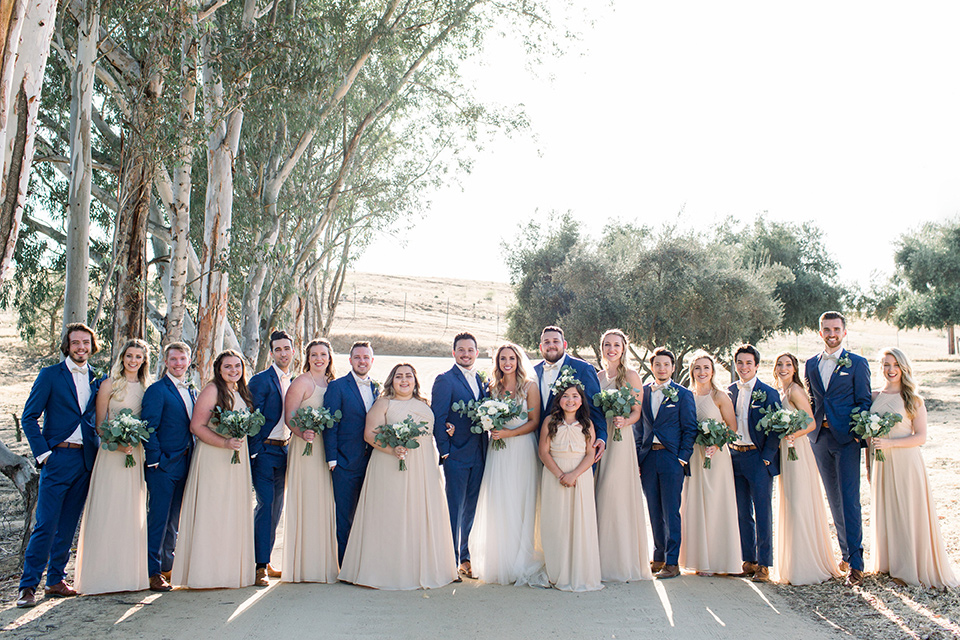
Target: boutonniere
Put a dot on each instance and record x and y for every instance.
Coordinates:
(567, 378)
(759, 396)
(375, 386)
(191, 385)
(670, 392)
(483, 378)
(844, 362)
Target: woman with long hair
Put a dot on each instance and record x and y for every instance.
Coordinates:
(215, 545)
(804, 554)
(906, 541)
(401, 536)
(502, 542)
(310, 522)
(621, 521)
(710, 538)
(112, 551)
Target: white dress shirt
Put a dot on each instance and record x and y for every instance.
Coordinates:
(81, 380)
(184, 390)
(551, 371)
(744, 400)
(280, 430)
(828, 364)
(366, 391)
(471, 376)
(656, 399)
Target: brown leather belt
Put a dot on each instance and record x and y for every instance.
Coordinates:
(657, 447)
(276, 443)
(743, 447)
(69, 445)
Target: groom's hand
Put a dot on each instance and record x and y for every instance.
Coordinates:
(601, 447)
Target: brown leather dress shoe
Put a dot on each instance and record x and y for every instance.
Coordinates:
(60, 590)
(466, 570)
(656, 566)
(749, 568)
(855, 578)
(166, 576)
(844, 566)
(27, 597)
(273, 573)
(762, 574)
(261, 580)
(668, 571)
(157, 583)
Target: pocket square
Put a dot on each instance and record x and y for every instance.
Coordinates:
(843, 373)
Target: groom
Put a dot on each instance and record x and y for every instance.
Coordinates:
(553, 348)
(839, 382)
(65, 450)
(462, 452)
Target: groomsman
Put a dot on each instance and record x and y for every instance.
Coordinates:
(347, 452)
(756, 460)
(167, 407)
(665, 437)
(65, 450)
(839, 382)
(268, 451)
(462, 452)
(553, 348)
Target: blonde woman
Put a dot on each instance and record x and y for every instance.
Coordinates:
(906, 540)
(710, 541)
(621, 522)
(112, 551)
(804, 554)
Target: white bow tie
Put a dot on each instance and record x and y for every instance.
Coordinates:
(547, 366)
(831, 356)
(364, 383)
(182, 385)
(743, 385)
(660, 387)
(80, 370)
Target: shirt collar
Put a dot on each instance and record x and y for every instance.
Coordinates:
(359, 379)
(466, 372)
(749, 385)
(279, 372)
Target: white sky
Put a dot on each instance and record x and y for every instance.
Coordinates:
(844, 113)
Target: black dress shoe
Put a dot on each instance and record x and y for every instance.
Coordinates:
(27, 597)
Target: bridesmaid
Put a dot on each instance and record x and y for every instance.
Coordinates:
(621, 521)
(310, 524)
(906, 540)
(112, 551)
(803, 549)
(710, 538)
(401, 536)
(568, 513)
(503, 543)
(215, 545)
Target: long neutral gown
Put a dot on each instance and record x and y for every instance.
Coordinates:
(621, 516)
(568, 517)
(503, 543)
(112, 550)
(310, 519)
(215, 546)
(710, 534)
(401, 536)
(906, 541)
(803, 550)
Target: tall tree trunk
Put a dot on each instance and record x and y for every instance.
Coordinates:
(24, 101)
(77, 285)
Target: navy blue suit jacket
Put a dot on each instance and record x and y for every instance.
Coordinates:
(267, 396)
(465, 446)
(769, 445)
(344, 441)
(164, 410)
(587, 375)
(54, 395)
(849, 389)
(675, 426)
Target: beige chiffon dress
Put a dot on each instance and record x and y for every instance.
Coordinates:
(621, 516)
(568, 517)
(112, 550)
(906, 541)
(401, 536)
(310, 523)
(215, 546)
(709, 529)
(803, 550)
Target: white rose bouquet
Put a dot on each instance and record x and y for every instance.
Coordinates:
(489, 414)
(873, 425)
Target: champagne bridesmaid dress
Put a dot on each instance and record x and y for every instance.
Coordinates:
(112, 551)
(906, 541)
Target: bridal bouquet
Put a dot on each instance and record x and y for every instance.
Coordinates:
(314, 419)
(614, 403)
(124, 430)
(713, 433)
(236, 424)
(784, 422)
(401, 434)
(873, 425)
(489, 414)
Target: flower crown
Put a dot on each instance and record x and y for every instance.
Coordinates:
(567, 378)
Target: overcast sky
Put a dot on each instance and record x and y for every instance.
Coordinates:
(844, 113)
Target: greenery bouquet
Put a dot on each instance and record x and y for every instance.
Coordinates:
(238, 423)
(314, 419)
(616, 403)
(124, 430)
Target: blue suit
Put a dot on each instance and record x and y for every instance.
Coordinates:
(268, 463)
(463, 455)
(166, 463)
(836, 450)
(661, 472)
(345, 445)
(587, 376)
(753, 480)
(65, 474)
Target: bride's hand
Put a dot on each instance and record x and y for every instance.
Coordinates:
(400, 452)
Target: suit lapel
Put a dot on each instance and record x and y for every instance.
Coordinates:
(352, 383)
(836, 369)
(70, 384)
(463, 380)
(647, 403)
(815, 379)
(172, 387)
